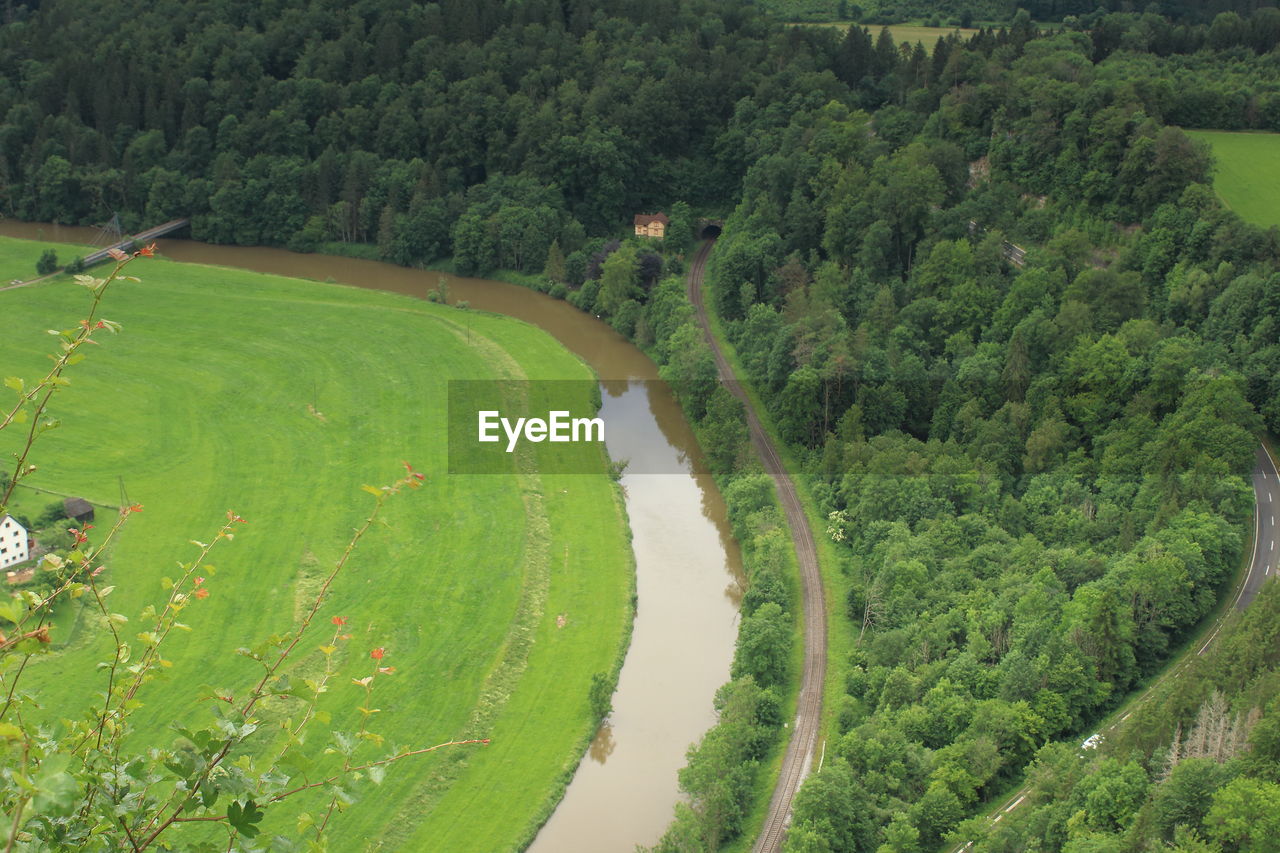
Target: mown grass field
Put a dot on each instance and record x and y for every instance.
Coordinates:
(908, 33)
(928, 36)
(1247, 177)
(202, 405)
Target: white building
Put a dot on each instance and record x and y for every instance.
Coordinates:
(13, 542)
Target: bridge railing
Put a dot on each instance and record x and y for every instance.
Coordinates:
(141, 237)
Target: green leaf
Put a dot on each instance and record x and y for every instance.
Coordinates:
(56, 788)
(15, 383)
(296, 764)
(11, 610)
(345, 744)
(243, 818)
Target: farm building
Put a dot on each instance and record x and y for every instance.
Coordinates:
(652, 226)
(79, 509)
(14, 542)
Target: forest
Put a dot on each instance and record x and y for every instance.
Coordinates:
(1021, 350)
(1037, 467)
(1201, 771)
(968, 12)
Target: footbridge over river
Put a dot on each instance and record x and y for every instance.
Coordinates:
(141, 237)
(124, 245)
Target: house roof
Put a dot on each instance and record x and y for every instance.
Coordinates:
(645, 219)
(4, 518)
(75, 507)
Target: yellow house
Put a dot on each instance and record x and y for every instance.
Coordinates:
(651, 226)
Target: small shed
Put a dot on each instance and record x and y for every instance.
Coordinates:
(14, 544)
(79, 509)
(652, 226)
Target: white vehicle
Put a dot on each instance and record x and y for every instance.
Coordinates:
(1092, 741)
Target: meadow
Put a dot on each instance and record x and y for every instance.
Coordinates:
(496, 597)
(1247, 177)
(928, 36)
(902, 33)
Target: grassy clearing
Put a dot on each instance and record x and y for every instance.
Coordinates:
(1248, 175)
(205, 403)
(908, 33)
(929, 36)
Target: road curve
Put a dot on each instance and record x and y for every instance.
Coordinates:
(1266, 489)
(1265, 562)
(804, 733)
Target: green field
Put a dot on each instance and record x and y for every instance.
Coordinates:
(1247, 177)
(203, 404)
(929, 36)
(908, 33)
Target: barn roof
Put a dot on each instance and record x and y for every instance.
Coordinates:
(76, 507)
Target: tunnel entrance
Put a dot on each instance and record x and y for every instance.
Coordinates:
(708, 228)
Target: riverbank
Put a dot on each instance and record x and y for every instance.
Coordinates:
(496, 598)
(688, 566)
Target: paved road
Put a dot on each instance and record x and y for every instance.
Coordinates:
(804, 730)
(1266, 557)
(1266, 562)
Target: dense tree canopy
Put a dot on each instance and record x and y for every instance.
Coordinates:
(482, 128)
(1021, 351)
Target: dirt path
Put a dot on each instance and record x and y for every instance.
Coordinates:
(30, 281)
(804, 730)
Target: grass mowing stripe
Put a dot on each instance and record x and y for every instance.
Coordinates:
(1247, 177)
(203, 405)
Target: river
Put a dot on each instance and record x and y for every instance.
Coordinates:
(688, 568)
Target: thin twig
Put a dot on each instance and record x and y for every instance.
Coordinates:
(159, 820)
(50, 381)
(22, 801)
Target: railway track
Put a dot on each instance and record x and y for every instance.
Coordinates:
(804, 735)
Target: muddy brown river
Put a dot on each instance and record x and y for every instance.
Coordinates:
(688, 568)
